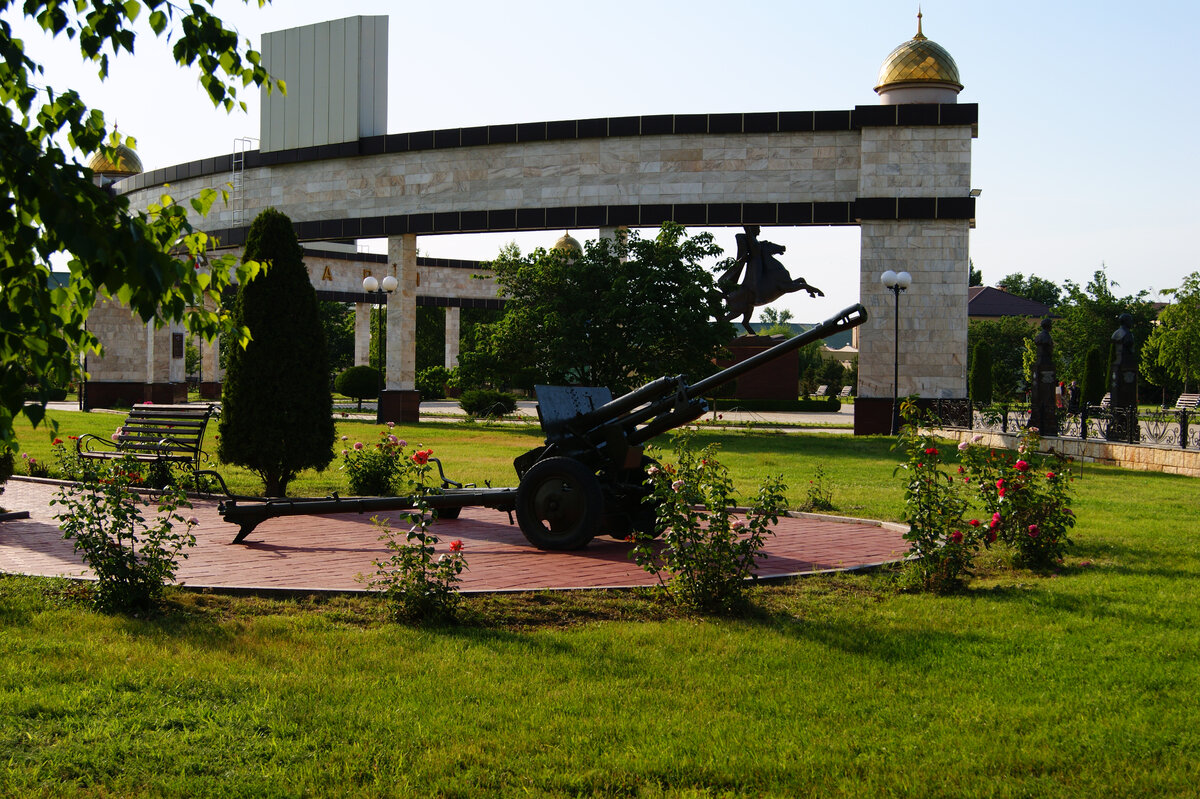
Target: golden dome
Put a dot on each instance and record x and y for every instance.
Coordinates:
(127, 163)
(918, 60)
(568, 244)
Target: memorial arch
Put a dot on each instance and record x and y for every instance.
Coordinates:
(900, 171)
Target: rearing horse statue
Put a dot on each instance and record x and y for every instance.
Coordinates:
(765, 279)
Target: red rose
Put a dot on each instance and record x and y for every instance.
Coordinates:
(974, 522)
(956, 537)
(456, 546)
(1033, 531)
(1021, 466)
(931, 451)
(1050, 475)
(421, 457)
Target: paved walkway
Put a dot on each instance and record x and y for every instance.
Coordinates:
(321, 553)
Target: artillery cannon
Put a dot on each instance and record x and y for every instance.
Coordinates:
(590, 474)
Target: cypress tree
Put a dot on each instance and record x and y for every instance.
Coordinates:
(277, 410)
(981, 374)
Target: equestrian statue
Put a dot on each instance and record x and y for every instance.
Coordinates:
(764, 280)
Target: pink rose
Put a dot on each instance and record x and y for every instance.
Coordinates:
(677, 486)
(1021, 466)
(358, 445)
(1033, 531)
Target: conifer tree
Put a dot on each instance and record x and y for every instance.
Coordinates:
(277, 410)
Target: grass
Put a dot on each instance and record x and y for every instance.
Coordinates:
(1080, 683)
(481, 452)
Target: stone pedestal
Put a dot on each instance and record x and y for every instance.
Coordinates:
(400, 406)
(777, 380)
(210, 391)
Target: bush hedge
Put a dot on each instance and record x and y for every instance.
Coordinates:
(487, 402)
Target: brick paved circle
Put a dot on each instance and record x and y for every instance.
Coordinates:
(322, 553)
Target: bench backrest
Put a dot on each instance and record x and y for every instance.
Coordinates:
(822, 391)
(845, 392)
(1187, 402)
(164, 430)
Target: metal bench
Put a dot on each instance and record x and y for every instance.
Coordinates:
(844, 393)
(822, 391)
(172, 434)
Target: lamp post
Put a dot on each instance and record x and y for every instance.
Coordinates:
(378, 290)
(897, 283)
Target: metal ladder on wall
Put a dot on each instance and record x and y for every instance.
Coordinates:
(241, 146)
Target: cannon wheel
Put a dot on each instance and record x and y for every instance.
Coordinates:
(559, 504)
(638, 516)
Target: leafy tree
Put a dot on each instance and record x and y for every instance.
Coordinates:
(776, 322)
(359, 383)
(191, 359)
(619, 314)
(1032, 288)
(1005, 340)
(431, 337)
(337, 320)
(1175, 340)
(49, 206)
(975, 276)
(277, 411)
(1088, 317)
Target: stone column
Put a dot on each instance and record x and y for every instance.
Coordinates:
(933, 316)
(362, 334)
(401, 401)
(453, 331)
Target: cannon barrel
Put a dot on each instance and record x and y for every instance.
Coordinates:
(849, 318)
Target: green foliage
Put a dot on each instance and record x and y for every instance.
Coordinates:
(942, 542)
(1029, 502)
(1088, 318)
(1005, 338)
(981, 374)
(383, 469)
(337, 320)
(1032, 288)
(431, 337)
(418, 583)
(359, 382)
(7, 464)
(818, 497)
(191, 359)
(1095, 376)
(485, 402)
(432, 382)
(54, 209)
(776, 322)
(1175, 340)
(277, 410)
(131, 557)
(974, 276)
(618, 315)
(708, 552)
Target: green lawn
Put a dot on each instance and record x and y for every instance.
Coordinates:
(1081, 683)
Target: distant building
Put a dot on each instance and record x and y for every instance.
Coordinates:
(988, 302)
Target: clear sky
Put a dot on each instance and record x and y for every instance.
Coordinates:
(1087, 148)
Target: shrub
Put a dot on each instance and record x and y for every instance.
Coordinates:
(432, 382)
(707, 552)
(132, 558)
(1029, 503)
(419, 584)
(277, 410)
(487, 402)
(942, 542)
(1095, 376)
(819, 497)
(359, 382)
(7, 464)
(34, 467)
(383, 469)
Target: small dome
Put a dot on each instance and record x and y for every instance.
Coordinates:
(919, 62)
(568, 244)
(127, 163)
